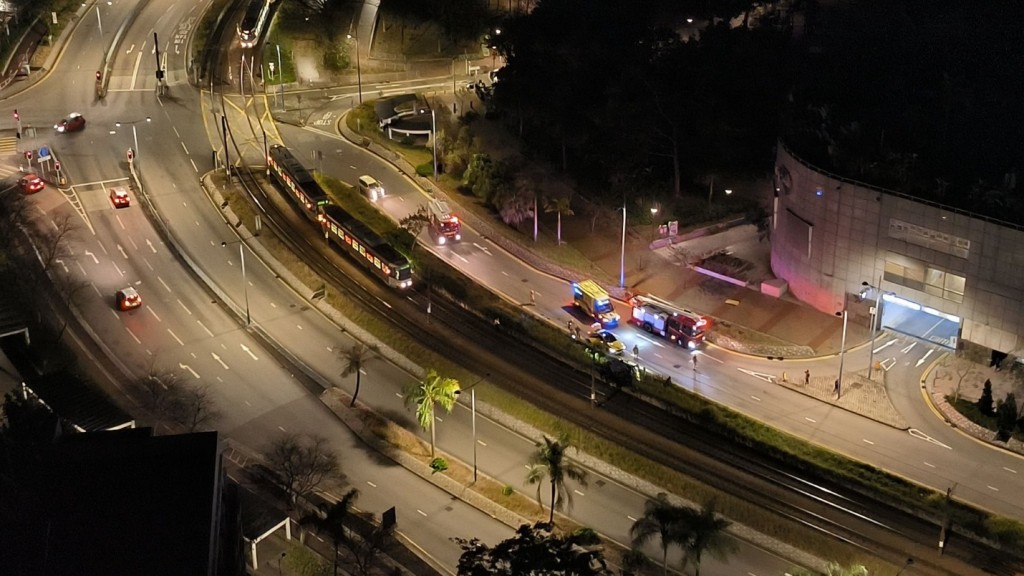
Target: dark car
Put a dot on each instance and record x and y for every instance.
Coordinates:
(127, 299)
(73, 123)
(31, 183)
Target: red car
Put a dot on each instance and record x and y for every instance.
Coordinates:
(73, 123)
(31, 183)
(119, 197)
(127, 299)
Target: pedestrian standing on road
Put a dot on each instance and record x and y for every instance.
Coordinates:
(807, 377)
(636, 352)
(693, 359)
(568, 326)
(835, 389)
(577, 332)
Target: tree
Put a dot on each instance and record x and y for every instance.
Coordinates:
(549, 462)
(432, 390)
(560, 206)
(166, 394)
(302, 463)
(706, 532)
(28, 421)
(663, 519)
(1006, 416)
(332, 522)
(355, 358)
(985, 401)
(532, 550)
(962, 367)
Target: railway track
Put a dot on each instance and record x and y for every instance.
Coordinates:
(655, 432)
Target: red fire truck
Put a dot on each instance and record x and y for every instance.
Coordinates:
(682, 326)
(444, 226)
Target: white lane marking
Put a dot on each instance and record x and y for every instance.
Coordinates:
(923, 358)
(134, 245)
(866, 441)
(62, 264)
(118, 218)
(135, 72)
(709, 357)
(482, 443)
(1009, 470)
(756, 399)
(175, 336)
(204, 328)
(483, 249)
(281, 428)
(992, 488)
(164, 283)
(194, 167)
(121, 250)
(887, 364)
(102, 247)
(249, 352)
(812, 420)
(299, 326)
(93, 256)
(98, 293)
(422, 513)
(929, 464)
(150, 266)
(154, 314)
(184, 148)
(115, 314)
(150, 244)
(189, 368)
(372, 485)
(578, 492)
(914, 432)
(219, 361)
(461, 257)
(906, 348)
(133, 335)
(185, 307)
(118, 268)
(769, 378)
(630, 518)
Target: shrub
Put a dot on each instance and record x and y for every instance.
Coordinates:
(438, 465)
(985, 401)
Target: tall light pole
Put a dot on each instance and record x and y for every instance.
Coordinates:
(842, 354)
(245, 283)
(359, 72)
(135, 134)
(472, 402)
(433, 138)
(622, 256)
(875, 320)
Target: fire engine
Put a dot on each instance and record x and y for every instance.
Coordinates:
(592, 299)
(682, 326)
(444, 226)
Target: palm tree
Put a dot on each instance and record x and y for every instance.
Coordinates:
(549, 462)
(661, 518)
(355, 358)
(432, 389)
(706, 533)
(333, 522)
(560, 206)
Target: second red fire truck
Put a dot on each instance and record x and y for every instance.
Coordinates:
(657, 316)
(444, 226)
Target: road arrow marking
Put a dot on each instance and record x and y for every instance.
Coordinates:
(62, 265)
(923, 358)
(769, 378)
(249, 352)
(908, 348)
(217, 358)
(93, 256)
(150, 244)
(189, 368)
(887, 364)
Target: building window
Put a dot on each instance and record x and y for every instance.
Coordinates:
(919, 276)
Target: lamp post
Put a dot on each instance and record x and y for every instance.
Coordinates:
(433, 138)
(875, 320)
(472, 402)
(842, 354)
(245, 283)
(359, 72)
(135, 134)
(622, 255)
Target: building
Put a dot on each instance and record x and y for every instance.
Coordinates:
(943, 274)
(124, 502)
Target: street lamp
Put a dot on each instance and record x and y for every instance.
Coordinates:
(874, 321)
(472, 402)
(842, 353)
(135, 134)
(359, 72)
(433, 138)
(245, 284)
(622, 255)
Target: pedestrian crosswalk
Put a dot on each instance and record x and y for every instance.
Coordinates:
(8, 145)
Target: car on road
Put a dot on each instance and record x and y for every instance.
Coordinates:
(31, 183)
(605, 340)
(127, 299)
(73, 123)
(119, 197)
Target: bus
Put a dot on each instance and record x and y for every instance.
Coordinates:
(251, 26)
(291, 175)
(366, 246)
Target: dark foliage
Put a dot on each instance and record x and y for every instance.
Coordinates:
(985, 401)
(533, 550)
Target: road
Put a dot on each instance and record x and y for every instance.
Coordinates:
(181, 326)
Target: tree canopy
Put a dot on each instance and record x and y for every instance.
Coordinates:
(534, 550)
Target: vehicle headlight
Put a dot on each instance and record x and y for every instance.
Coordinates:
(441, 240)
(458, 236)
(691, 345)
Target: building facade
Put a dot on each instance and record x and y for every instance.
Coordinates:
(939, 273)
